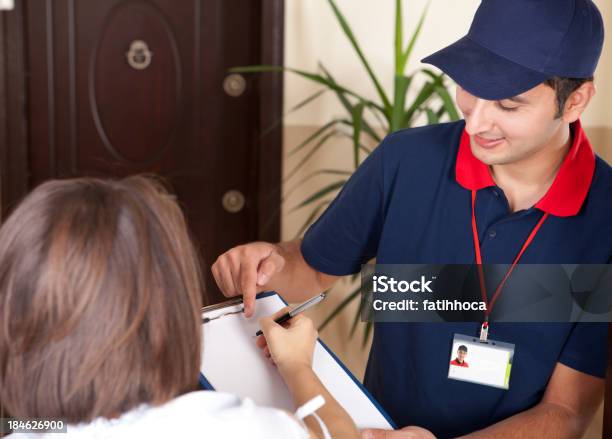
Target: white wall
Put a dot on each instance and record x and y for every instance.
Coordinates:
(599, 113)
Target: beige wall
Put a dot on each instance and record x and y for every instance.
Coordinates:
(312, 36)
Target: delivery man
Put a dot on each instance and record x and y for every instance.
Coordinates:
(516, 181)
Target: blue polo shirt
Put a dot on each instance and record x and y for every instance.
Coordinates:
(410, 203)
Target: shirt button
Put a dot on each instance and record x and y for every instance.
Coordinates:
(492, 234)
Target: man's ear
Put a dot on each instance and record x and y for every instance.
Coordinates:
(578, 101)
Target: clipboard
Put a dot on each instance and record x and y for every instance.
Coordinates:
(231, 362)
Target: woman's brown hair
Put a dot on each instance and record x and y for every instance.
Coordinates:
(100, 296)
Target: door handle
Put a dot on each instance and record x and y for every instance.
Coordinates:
(139, 56)
(233, 201)
(234, 85)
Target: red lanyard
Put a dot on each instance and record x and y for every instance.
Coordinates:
(483, 288)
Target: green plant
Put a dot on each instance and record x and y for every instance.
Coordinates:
(365, 118)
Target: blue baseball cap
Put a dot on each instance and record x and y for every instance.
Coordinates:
(514, 45)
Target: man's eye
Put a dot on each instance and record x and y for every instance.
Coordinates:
(504, 108)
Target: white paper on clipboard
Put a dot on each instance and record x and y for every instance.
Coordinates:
(231, 362)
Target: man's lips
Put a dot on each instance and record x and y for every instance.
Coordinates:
(487, 143)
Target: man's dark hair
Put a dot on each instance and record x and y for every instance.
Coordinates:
(564, 87)
(462, 348)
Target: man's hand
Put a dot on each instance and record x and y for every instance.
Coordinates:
(245, 270)
(404, 433)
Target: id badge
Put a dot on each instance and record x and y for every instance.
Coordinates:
(488, 363)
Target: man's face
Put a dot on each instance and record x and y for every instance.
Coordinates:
(510, 130)
(461, 355)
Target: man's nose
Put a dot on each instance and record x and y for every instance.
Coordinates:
(479, 120)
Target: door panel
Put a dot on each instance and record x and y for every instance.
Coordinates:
(93, 113)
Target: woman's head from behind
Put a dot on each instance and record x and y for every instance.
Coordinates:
(100, 292)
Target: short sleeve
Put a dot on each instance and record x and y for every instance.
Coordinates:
(348, 232)
(586, 349)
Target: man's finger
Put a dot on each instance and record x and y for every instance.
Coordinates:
(269, 267)
(225, 276)
(376, 433)
(248, 285)
(214, 270)
(373, 433)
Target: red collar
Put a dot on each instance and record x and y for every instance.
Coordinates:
(569, 189)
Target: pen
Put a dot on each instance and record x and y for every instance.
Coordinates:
(298, 309)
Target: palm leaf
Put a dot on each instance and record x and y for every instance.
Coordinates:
(310, 76)
(308, 156)
(292, 110)
(447, 102)
(312, 137)
(357, 115)
(366, 334)
(349, 34)
(432, 117)
(362, 147)
(384, 123)
(402, 83)
(411, 43)
(311, 217)
(319, 194)
(437, 78)
(349, 107)
(426, 93)
(347, 300)
(399, 37)
(312, 175)
(356, 320)
(361, 305)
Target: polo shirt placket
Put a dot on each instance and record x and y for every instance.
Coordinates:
(410, 203)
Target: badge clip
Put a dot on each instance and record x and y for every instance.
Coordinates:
(484, 331)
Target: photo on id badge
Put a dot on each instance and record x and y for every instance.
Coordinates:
(487, 363)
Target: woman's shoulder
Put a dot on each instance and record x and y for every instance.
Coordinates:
(215, 413)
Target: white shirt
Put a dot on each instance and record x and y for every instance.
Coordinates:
(201, 414)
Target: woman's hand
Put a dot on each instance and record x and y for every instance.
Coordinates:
(289, 346)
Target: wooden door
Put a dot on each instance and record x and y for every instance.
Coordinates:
(119, 87)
